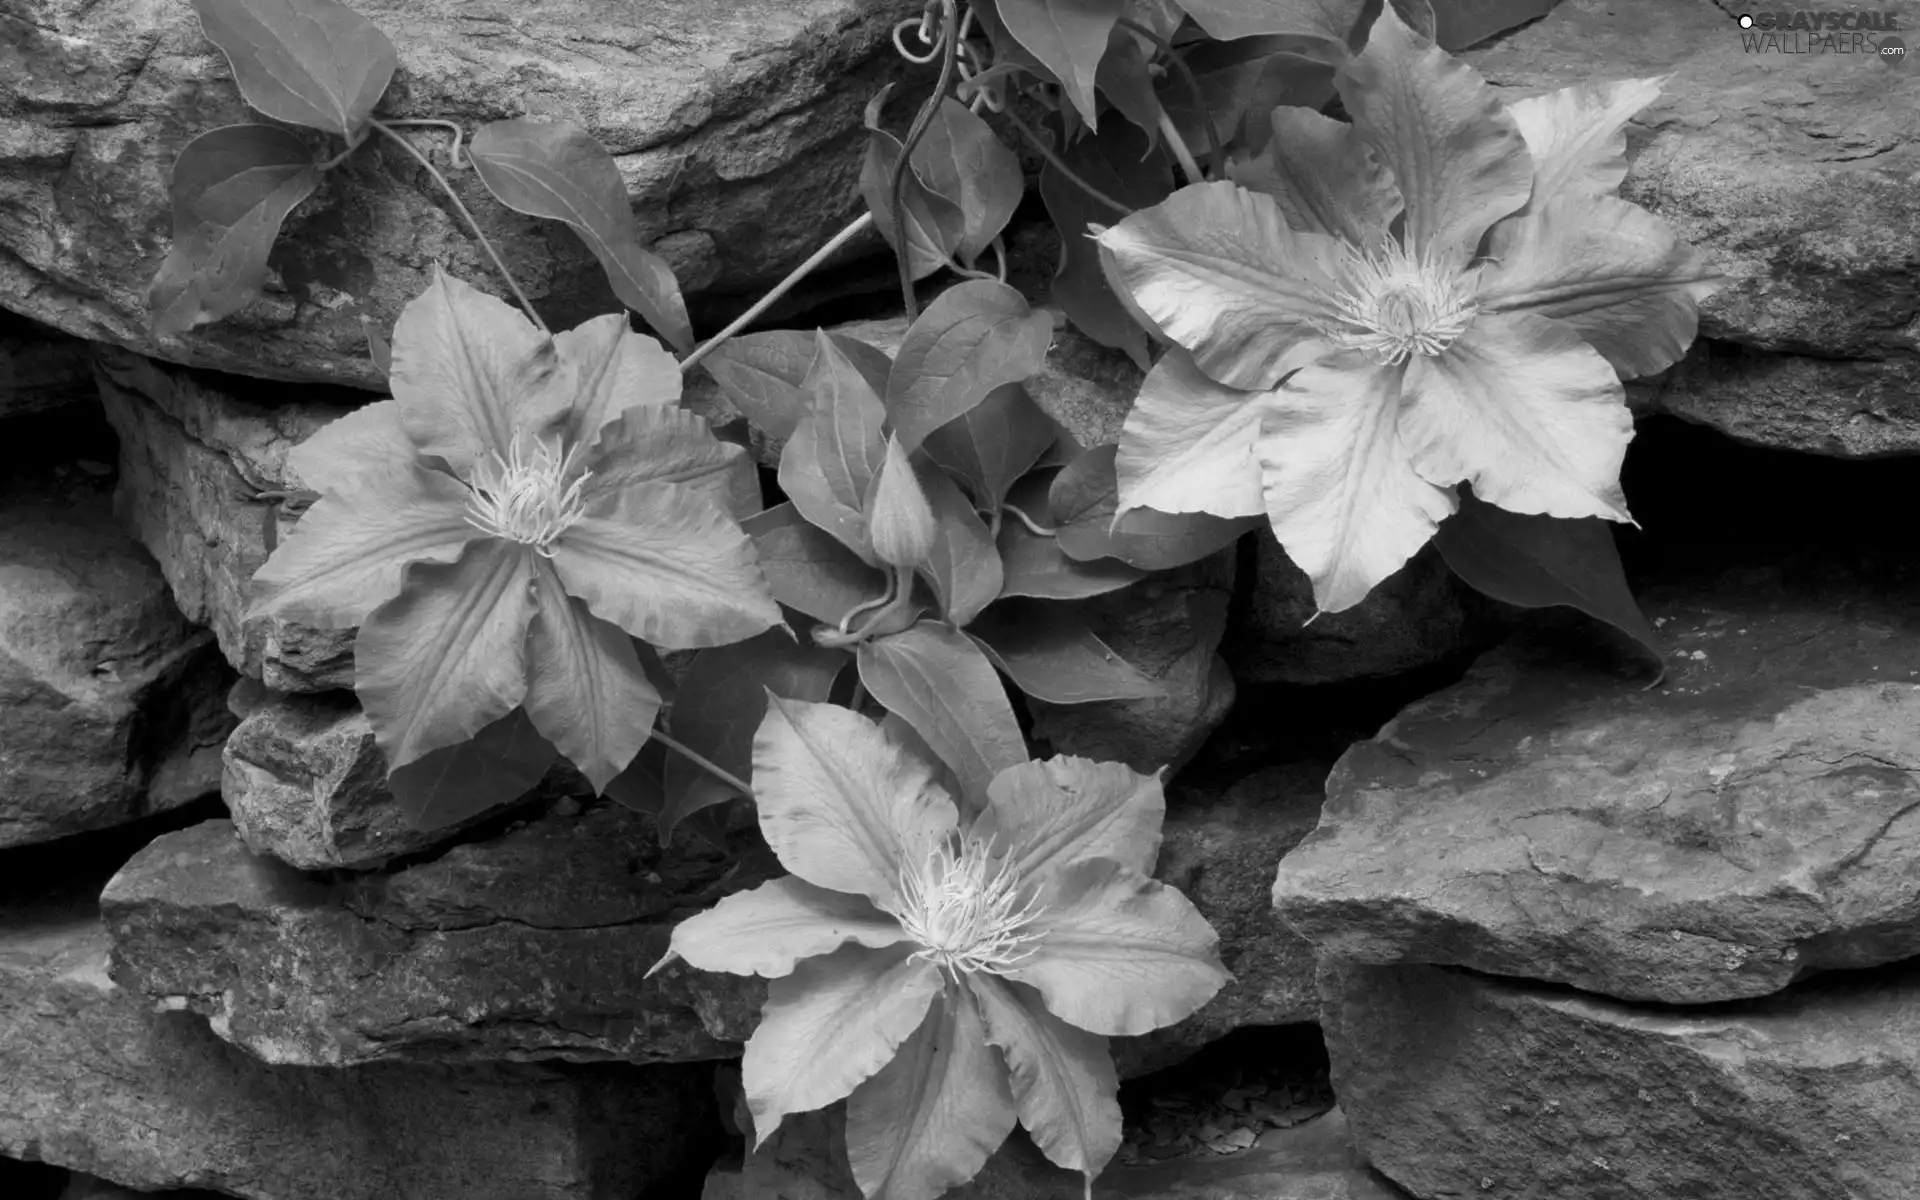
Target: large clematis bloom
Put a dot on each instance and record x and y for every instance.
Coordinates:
(1445, 291)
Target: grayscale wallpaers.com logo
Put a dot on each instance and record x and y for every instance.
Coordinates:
(1873, 34)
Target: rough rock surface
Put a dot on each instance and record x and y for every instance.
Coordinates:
(1755, 818)
(534, 943)
(1312, 1161)
(110, 701)
(1460, 1085)
(196, 456)
(1795, 175)
(40, 369)
(737, 128)
(93, 1077)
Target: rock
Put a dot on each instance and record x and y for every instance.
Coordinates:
(1167, 625)
(110, 701)
(1312, 1161)
(1794, 174)
(1754, 819)
(532, 944)
(1421, 615)
(41, 370)
(196, 455)
(1461, 1085)
(737, 128)
(93, 1077)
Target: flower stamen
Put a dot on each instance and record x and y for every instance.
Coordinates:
(527, 497)
(963, 905)
(1397, 304)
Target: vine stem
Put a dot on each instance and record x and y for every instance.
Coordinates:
(1216, 156)
(853, 230)
(472, 224)
(1188, 166)
(1055, 161)
(923, 120)
(704, 763)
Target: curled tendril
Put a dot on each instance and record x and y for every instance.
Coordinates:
(927, 36)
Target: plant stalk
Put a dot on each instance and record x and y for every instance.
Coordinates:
(1059, 164)
(706, 764)
(922, 121)
(858, 226)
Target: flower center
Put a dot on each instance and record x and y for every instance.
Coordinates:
(527, 497)
(1397, 304)
(962, 905)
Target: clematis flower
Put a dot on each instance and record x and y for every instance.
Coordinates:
(945, 973)
(1444, 291)
(504, 527)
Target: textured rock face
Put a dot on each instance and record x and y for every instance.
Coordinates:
(41, 370)
(1460, 1085)
(737, 128)
(195, 460)
(1794, 174)
(92, 1077)
(110, 702)
(1755, 818)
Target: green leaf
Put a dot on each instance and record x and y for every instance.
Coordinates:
(231, 189)
(1034, 565)
(1539, 562)
(764, 375)
(1336, 26)
(1070, 37)
(976, 336)
(993, 444)
(835, 453)
(767, 931)
(1084, 499)
(721, 701)
(935, 223)
(1047, 649)
(1128, 166)
(930, 1119)
(960, 157)
(1124, 79)
(965, 565)
(316, 63)
(501, 764)
(556, 170)
(1062, 1078)
(1458, 24)
(586, 690)
(1055, 812)
(807, 569)
(940, 682)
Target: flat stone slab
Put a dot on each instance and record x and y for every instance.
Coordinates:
(1754, 819)
(1459, 1085)
(92, 1077)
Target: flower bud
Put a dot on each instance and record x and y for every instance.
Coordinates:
(899, 520)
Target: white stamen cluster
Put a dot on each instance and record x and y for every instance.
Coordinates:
(1397, 304)
(962, 905)
(527, 496)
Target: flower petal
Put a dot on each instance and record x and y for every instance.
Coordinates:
(1577, 137)
(1615, 273)
(930, 1119)
(448, 655)
(1052, 813)
(1062, 1077)
(1323, 176)
(1187, 444)
(1341, 491)
(371, 439)
(469, 372)
(1527, 413)
(1454, 151)
(828, 1026)
(672, 445)
(1216, 269)
(586, 690)
(841, 804)
(346, 556)
(768, 930)
(611, 370)
(666, 564)
(1121, 954)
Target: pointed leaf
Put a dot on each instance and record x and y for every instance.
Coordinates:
(941, 683)
(1055, 812)
(1458, 24)
(720, 704)
(975, 337)
(231, 189)
(993, 444)
(767, 930)
(501, 764)
(586, 691)
(556, 170)
(1125, 79)
(1034, 565)
(1537, 562)
(930, 1119)
(1050, 653)
(961, 157)
(834, 455)
(1085, 496)
(1322, 20)
(1062, 1078)
(807, 569)
(935, 223)
(965, 564)
(1070, 37)
(316, 63)
(761, 375)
